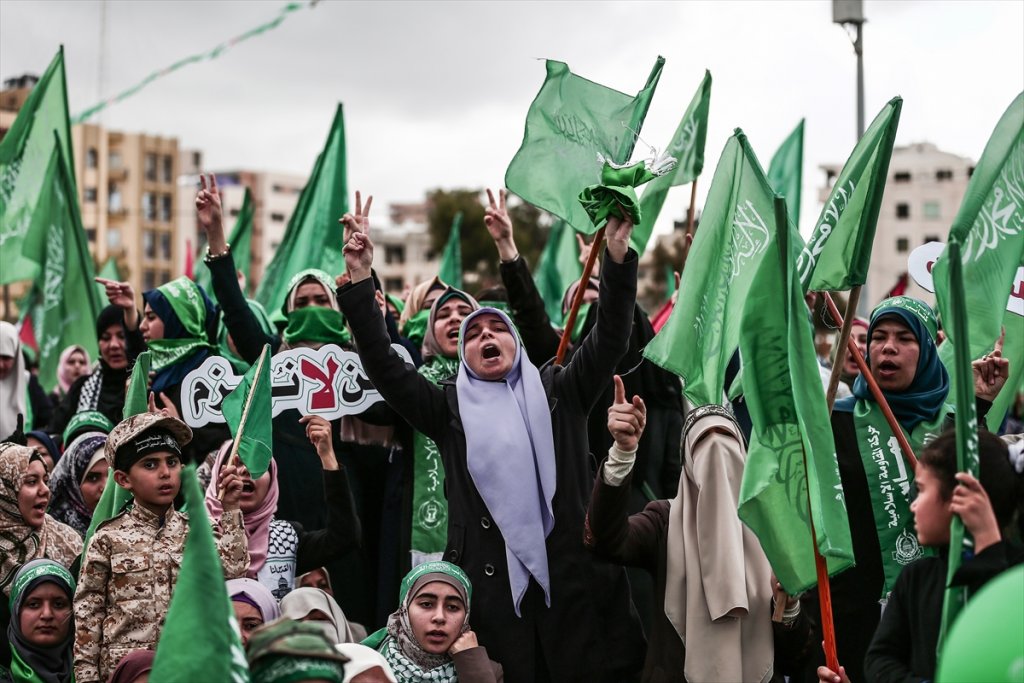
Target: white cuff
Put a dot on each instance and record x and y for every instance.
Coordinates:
(618, 465)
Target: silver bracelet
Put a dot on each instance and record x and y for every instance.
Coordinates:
(213, 257)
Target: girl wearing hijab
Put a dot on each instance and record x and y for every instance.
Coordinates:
(428, 637)
(73, 363)
(41, 632)
(13, 381)
(316, 606)
(414, 320)
(103, 388)
(509, 436)
(77, 481)
(877, 482)
(279, 549)
(254, 605)
(26, 532)
(45, 446)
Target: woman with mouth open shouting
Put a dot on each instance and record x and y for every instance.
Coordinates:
(510, 436)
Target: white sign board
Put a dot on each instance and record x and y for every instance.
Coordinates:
(920, 263)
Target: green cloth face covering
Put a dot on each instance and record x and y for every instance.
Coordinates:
(316, 324)
(416, 327)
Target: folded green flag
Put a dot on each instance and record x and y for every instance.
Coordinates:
(26, 169)
(837, 254)
(247, 410)
(703, 331)
(989, 228)
(791, 478)
(572, 121)
(136, 399)
(687, 148)
(616, 192)
(200, 640)
(558, 267)
(450, 270)
(785, 172)
(241, 245)
(313, 238)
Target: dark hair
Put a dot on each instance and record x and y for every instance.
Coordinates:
(495, 293)
(996, 474)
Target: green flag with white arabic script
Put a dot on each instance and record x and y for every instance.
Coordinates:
(570, 123)
(791, 463)
(837, 254)
(785, 172)
(687, 148)
(559, 266)
(703, 331)
(25, 160)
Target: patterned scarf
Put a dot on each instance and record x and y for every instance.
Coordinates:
(66, 502)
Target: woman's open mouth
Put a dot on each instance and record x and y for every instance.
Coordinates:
(490, 351)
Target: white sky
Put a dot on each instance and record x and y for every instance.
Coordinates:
(436, 93)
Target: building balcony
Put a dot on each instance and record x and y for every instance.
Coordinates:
(117, 173)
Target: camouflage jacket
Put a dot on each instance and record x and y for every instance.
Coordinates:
(125, 584)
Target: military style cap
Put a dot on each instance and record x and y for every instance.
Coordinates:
(145, 433)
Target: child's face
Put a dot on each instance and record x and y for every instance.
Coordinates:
(931, 513)
(154, 480)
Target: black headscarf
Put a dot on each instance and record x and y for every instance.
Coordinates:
(50, 664)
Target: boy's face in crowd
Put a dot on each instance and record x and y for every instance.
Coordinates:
(34, 495)
(490, 347)
(92, 485)
(931, 512)
(894, 352)
(447, 322)
(436, 615)
(152, 327)
(154, 480)
(6, 365)
(45, 616)
(311, 294)
(249, 619)
(112, 349)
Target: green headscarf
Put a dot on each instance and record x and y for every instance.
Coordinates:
(185, 311)
(415, 328)
(32, 663)
(310, 274)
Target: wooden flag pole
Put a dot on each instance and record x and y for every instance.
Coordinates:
(844, 336)
(577, 300)
(687, 244)
(233, 455)
(828, 625)
(876, 391)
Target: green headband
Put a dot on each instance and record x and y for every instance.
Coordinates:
(48, 568)
(905, 303)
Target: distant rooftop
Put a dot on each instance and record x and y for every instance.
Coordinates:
(22, 81)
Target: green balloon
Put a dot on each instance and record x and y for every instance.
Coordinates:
(986, 642)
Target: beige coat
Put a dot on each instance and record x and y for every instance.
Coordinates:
(718, 584)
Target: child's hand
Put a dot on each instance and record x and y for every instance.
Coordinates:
(827, 675)
(318, 431)
(230, 482)
(972, 504)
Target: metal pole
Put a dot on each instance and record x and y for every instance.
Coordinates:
(858, 47)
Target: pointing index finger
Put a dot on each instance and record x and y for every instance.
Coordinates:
(998, 349)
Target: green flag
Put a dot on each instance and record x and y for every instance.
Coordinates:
(26, 167)
(703, 331)
(785, 172)
(241, 246)
(836, 255)
(571, 122)
(791, 463)
(953, 300)
(136, 399)
(247, 410)
(313, 238)
(558, 267)
(108, 272)
(199, 605)
(450, 270)
(989, 228)
(687, 148)
(68, 303)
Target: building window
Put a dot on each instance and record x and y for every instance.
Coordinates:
(149, 279)
(165, 277)
(113, 238)
(234, 212)
(901, 176)
(148, 206)
(91, 234)
(165, 246)
(393, 284)
(115, 160)
(197, 160)
(149, 245)
(165, 208)
(277, 217)
(91, 158)
(944, 174)
(931, 210)
(902, 244)
(168, 168)
(90, 195)
(150, 167)
(114, 199)
(903, 210)
(394, 253)
(931, 238)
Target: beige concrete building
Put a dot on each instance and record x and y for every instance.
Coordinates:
(405, 256)
(922, 195)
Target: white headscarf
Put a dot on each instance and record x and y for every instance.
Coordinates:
(13, 387)
(301, 601)
(362, 659)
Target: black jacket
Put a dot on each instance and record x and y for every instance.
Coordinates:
(591, 631)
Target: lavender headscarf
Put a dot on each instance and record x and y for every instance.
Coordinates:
(510, 444)
(256, 594)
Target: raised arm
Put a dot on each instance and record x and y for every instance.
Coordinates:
(242, 325)
(412, 396)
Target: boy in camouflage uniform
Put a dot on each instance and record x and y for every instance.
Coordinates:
(132, 562)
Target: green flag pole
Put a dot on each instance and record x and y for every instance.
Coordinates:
(628, 143)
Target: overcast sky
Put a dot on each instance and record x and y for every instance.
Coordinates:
(436, 93)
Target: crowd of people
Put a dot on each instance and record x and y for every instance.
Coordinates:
(583, 512)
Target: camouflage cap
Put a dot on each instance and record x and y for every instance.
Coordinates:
(287, 637)
(128, 430)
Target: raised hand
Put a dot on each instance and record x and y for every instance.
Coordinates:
(318, 431)
(358, 221)
(358, 248)
(209, 215)
(991, 371)
(626, 419)
(499, 224)
(971, 502)
(122, 295)
(617, 232)
(464, 642)
(229, 483)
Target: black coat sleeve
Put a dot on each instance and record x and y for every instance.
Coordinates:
(63, 411)
(42, 410)
(245, 331)
(411, 395)
(528, 313)
(343, 532)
